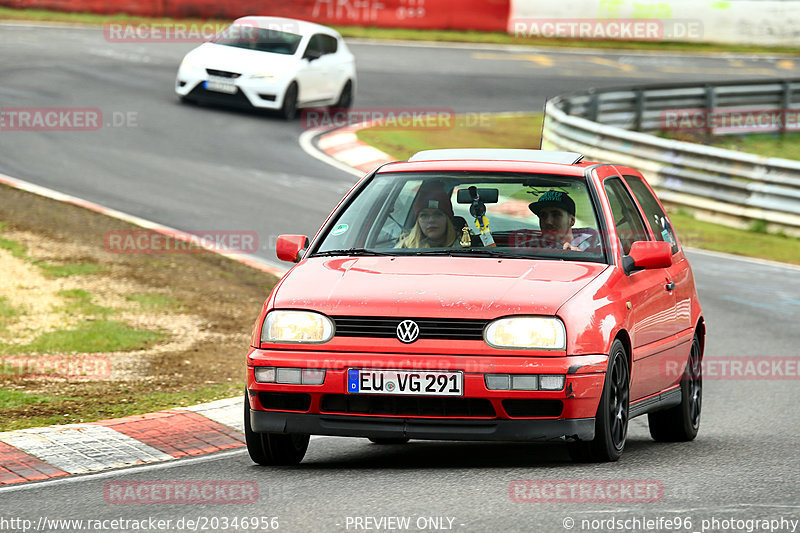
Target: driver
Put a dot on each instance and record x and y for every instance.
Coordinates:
(556, 212)
(433, 220)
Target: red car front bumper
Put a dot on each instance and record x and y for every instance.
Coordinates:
(480, 414)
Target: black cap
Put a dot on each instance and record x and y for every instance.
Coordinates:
(553, 199)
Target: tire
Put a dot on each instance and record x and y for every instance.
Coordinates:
(289, 107)
(611, 420)
(682, 422)
(389, 440)
(273, 449)
(346, 97)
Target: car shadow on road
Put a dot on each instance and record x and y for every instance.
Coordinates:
(328, 454)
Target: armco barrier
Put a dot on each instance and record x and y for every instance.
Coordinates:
(482, 15)
(730, 187)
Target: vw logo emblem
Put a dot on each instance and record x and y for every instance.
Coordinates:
(407, 331)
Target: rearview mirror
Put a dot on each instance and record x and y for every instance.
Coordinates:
(648, 254)
(289, 247)
(487, 196)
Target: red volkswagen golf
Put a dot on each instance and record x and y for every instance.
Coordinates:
(507, 295)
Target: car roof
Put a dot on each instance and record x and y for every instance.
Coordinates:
(301, 27)
(493, 159)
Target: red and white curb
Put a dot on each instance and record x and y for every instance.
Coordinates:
(50, 452)
(344, 145)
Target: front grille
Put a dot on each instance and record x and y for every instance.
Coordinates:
(406, 405)
(223, 73)
(521, 408)
(429, 328)
(285, 401)
(213, 97)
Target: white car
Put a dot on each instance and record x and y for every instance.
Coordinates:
(270, 63)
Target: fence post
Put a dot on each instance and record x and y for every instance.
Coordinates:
(593, 105)
(786, 102)
(640, 96)
(711, 103)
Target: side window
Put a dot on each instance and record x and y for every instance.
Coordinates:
(329, 44)
(655, 215)
(630, 227)
(314, 48)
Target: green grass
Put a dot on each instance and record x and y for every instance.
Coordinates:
(9, 399)
(8, 313)
(17, 249)
(765, 144)
(129, 403)
(523, 132)
(700, 234)
(469, 131)
(416, 35)
(155, 301)
(69, 269)
(79, 302)
(90, 336)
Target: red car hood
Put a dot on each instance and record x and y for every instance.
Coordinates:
(418, 286)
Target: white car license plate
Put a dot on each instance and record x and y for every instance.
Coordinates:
(408, 382)
(220, 86)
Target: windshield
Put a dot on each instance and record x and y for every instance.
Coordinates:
(469, 214)
(261, 39)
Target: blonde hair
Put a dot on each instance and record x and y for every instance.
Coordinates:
(416, 239)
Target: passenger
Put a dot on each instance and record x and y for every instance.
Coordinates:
(556, 212)
(433, 215)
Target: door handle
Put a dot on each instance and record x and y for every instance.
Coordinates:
(670, 286)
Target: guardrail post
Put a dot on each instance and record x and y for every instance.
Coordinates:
(640, 96)
(593, 105)
(786, 102)
(711, 104)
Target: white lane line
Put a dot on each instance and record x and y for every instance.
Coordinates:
(136, 469)
(247, 259)
(307, 144)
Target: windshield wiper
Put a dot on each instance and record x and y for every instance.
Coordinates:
(350, 251)
(477, 252)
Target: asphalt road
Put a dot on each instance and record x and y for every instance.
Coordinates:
(201, 168)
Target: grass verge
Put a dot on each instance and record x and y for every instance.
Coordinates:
(523, 131)
(400, 34)
(133, 333)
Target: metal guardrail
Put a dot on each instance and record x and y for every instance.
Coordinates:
(726, 186)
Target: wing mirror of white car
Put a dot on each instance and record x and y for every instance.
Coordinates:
(311, 55)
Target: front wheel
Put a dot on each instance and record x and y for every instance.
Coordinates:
(346, 97)
(273, 449)
(289, 107)
(611, 421)
(682, 422)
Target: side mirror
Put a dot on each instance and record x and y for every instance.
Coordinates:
(289, 247)
(648, 254)
(311, 55)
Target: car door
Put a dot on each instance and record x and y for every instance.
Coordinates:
(679, 276)
(311, 76)
(652, 306)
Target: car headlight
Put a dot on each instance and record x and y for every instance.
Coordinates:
(526, 332)
(187, 64)
(296, 327)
